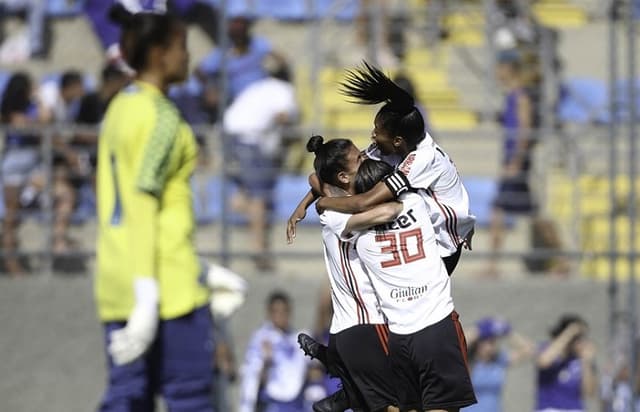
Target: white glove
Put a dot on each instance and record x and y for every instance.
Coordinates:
(228, 290)
(133, 340)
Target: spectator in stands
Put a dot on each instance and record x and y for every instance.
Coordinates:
(61, 102)
(93, 105)
(489, 361)
(61, 97)
(39, 33)
(256, 120)
(92, 108)
(514, 195)
(244, 59)
(199, 12)
(566, 368)
(274, 369)
(21, 160)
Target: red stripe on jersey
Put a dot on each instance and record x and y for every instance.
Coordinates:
(349, 279)
(359, 299)
(449, 218)
(383, 338)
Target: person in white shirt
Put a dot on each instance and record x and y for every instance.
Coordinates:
(256, 121)
(426, 343)
(274, 370)
(358, 331)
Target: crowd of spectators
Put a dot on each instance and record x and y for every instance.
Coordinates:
(564, 375)
(258, 82)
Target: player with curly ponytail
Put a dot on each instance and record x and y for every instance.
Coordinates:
(425, 167)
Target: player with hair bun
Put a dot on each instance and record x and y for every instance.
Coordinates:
(358, 348)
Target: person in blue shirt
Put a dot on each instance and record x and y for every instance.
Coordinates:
(244, 58)
(489, 361)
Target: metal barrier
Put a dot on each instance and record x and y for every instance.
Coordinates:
(477, 155)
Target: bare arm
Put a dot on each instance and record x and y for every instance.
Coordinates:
(522, 349)
(558, 346)
(298, 214)
(383, 213)
(379, 194)
(587, 352)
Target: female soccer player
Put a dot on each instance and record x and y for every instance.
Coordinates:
(150, 300)
(427, 349)
(358, 332)
(399, 134)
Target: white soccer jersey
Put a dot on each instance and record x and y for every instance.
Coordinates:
(429, 169)
(406, 270)
(352, 295)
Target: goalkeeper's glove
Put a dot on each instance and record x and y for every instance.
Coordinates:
(228, 290)
(132, 341)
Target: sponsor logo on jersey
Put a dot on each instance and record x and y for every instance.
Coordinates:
(405, 167)
(408, 294)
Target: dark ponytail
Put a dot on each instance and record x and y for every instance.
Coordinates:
(399, 116)
(141, 32)
(331, 157)
(370, 173)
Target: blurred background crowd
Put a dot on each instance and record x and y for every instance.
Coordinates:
(526, 96)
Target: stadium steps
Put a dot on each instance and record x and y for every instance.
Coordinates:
(588, 198)
(465, 28)
(560, 14)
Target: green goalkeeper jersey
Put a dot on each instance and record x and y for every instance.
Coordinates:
(146, 156)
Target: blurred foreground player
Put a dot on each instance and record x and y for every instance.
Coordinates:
(149, 292)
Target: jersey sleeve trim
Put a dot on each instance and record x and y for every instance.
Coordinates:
(153, 173)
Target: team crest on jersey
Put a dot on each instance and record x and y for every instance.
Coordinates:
(408, 294)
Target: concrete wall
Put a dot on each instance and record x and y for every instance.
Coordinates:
(52, 356)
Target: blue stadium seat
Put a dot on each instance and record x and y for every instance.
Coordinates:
(346, 10)
(64, 8)
(288, 193)
(295, 10)
(583, 100)
(207, 202)
(482, 191)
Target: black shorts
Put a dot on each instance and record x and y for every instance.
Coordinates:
(431, 367)
(364, 351)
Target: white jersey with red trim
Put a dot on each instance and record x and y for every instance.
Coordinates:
(430, 170)
(352, 295)
(406, 270)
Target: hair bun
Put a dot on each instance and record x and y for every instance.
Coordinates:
(315, 143)
(120, 15)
